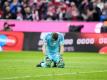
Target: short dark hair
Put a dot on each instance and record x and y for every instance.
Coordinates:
(55, 36)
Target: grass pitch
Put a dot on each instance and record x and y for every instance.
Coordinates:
(78, 66)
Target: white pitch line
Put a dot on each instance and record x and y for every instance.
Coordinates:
(72, 73)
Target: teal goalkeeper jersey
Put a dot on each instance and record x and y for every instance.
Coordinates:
(53, 47)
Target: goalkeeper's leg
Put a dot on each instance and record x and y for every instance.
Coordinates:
(48, 62)
(45, 63)
(60, 63)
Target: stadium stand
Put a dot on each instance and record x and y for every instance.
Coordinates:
(67, 10)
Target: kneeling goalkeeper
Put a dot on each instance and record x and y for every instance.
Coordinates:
(53, 49)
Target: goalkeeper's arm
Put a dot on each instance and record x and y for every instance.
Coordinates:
(61, 49)
(44, 49)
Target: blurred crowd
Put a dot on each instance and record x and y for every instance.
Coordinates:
(66, 10)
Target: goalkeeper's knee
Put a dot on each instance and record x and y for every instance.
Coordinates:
(48, 62)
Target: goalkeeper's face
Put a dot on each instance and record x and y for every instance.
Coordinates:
(54, 36)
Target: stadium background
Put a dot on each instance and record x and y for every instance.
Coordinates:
(84, 24)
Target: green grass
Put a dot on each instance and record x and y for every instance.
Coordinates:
(78, 66)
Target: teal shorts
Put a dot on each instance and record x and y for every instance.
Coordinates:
(54, 57)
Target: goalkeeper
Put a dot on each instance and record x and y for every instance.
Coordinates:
(53, 49)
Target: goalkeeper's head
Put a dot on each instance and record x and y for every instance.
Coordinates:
(55, 36)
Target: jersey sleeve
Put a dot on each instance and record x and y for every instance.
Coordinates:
(45, 39)
(42, 36)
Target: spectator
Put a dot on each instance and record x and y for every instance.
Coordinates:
(99, 3)
(75, 15)
(13, 8)
(7, 14)
(104, 13)
(42, 10)
(91, 12)
(35, 14)
(68, 15)
(28, 14)
(52, 13)
(97, 12)
(6, 4)
(1, 13)
(83, 5)
(19, 15)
